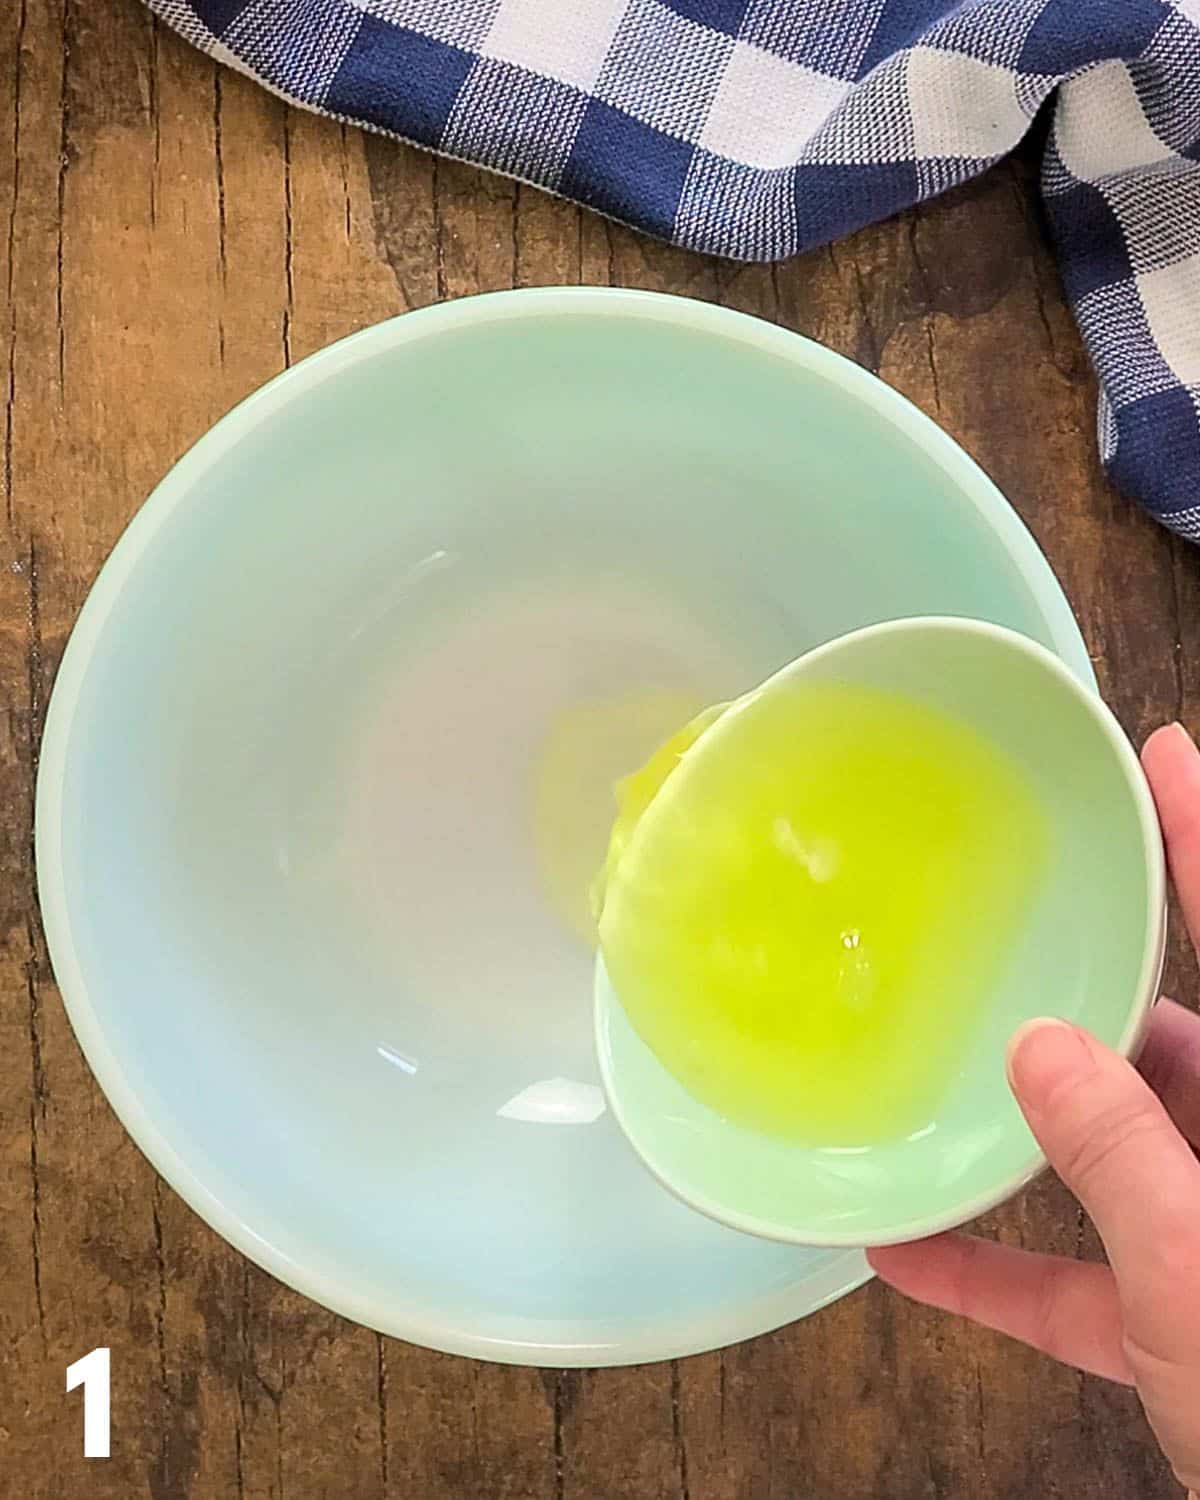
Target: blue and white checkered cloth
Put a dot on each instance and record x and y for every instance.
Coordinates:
(759, 128)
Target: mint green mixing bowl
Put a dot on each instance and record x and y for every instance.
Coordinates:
(283, 840)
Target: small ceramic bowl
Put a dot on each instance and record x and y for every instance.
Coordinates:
(1090, 949)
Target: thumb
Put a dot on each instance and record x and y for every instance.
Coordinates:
(1113, 1144)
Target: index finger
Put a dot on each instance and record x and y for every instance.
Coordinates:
(1172, 765)
(1170, 1064)
(1068, 1309)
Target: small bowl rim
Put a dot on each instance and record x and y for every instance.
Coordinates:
(1140, 1008)
(176, 488)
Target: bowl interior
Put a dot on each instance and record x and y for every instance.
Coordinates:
(284, 830)
(1087, 949)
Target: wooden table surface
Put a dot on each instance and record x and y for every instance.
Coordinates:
(170, 237)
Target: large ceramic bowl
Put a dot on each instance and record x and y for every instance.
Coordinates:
(286, 802)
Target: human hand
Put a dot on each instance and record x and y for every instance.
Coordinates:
(1126, 1146)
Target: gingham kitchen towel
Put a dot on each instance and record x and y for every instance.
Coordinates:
(759, 128)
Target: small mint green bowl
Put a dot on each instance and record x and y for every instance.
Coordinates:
(1090, 949)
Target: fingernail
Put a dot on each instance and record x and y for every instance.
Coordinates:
(1042, 1054)
(1177, 728)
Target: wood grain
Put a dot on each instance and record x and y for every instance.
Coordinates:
(171, 236)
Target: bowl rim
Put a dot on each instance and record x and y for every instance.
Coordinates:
(174, 491)
(1141, 1003)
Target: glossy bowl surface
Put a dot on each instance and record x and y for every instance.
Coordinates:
(1089, 948)
(282, 826)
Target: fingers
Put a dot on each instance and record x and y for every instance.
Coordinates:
(1172, 766)
(1113, 1144)
(1170, 1064)
(1067, 1309)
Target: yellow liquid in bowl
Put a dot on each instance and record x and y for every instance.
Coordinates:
(585, 748)
(808, 902)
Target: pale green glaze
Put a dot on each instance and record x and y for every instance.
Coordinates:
(1090, 950)
(286, 892)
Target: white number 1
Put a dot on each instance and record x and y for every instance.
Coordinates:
(91, 1372)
